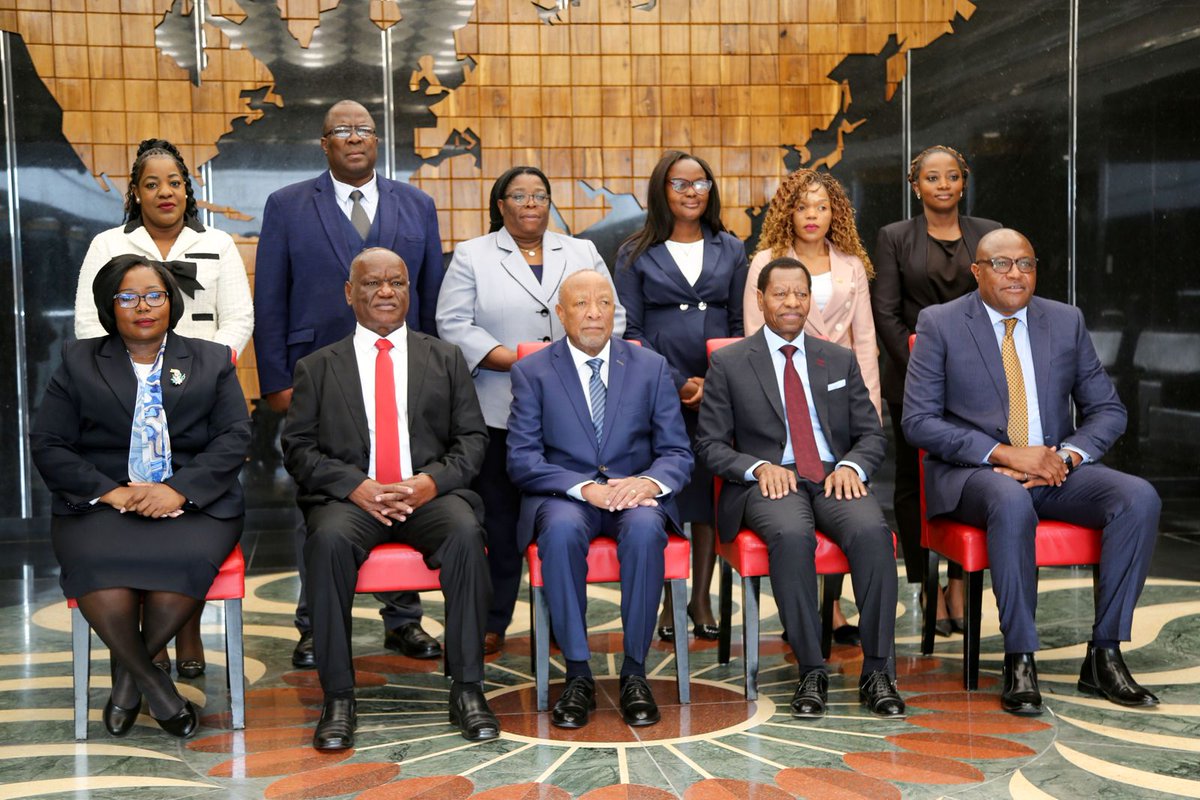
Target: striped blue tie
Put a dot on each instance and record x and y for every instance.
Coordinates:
(597, 391)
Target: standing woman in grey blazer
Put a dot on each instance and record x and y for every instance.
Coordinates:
(500, 290)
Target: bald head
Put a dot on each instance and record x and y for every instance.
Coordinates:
(1009, 290)
(586, 306)
(999, 239)
(347, 106)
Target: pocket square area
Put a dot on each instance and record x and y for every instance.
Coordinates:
(836, 385)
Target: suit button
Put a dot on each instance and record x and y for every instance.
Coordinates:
(545, 312)
(683, 306)
(702, 305)
(603, 468)
(545, 338)
(838, 327)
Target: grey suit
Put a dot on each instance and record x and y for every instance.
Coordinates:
(742, 422)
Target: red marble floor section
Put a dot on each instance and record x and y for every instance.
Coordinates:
(630, 791)
(935, 682)
(731, 789)
(395, 664)
(309, 678)
(253, 740)
(525, 791)
(969, 702)
(961, 745)
(820, 783)
(332, 781)
(976, 722)
(265, 716)
(433, 787)
(277, 762)
(912, 768)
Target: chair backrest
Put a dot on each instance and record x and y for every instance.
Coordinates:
(529, 348)
(716, 344)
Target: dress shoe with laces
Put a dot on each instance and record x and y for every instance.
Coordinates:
(183, 723)
(304, 656)
(1104, 674)
(577, 699)
(469, 713)
(877, 691)
(335, 730)
(1021, 695)
(492, 643)
(637, 702)
(119, 721)
(412, 641)
(811, 695)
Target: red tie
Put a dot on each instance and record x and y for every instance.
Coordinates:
(804, 444)
(387, 419)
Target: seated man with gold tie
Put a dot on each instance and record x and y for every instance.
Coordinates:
(383, 436)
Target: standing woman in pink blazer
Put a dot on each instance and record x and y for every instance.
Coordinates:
(811, 219)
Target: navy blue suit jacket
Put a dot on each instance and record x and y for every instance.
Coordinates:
(661, 306)
(303, 263)
(956, 394)
(552, 443)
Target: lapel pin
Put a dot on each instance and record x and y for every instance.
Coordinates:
(178, 377)
(820, 363)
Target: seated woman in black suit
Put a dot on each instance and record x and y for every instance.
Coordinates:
(141, 437)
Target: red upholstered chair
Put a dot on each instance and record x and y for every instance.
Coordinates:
(1057, 544)
(230, 586)
(603, 567)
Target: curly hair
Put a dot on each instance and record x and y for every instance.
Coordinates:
(150, 148)
(778, 233)
(914, 167)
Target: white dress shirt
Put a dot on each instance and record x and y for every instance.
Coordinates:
(370, 198)
(365, 354)
(689, 257)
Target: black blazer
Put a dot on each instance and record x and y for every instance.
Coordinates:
(80, 438)
(742, 416)
(903, 286)
(326, 445)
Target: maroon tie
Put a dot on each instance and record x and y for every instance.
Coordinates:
(804, 444)
(387, 419)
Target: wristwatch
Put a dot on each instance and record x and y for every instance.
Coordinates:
(1065, 455)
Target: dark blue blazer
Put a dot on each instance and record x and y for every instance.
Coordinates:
(552, 444)
(661, 306)
(956, 394)
(304, 260)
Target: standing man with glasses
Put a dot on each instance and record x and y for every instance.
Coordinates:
(989, 393)
(310, 233)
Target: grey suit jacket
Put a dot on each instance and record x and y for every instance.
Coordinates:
(742, 418)
(490, 298)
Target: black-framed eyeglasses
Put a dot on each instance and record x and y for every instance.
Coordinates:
(133, 299)
(344, 131)
(1002, 265)
(681, 185)
(538, 198)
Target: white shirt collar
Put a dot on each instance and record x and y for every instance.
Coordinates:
(581, 358)
(775, 341)
(995, 316)
(370, 189)
(365, 338)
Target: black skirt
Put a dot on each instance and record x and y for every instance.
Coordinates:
(105, 549)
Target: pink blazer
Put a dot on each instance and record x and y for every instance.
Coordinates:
(846, 320)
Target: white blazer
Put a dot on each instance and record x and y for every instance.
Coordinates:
(221, 312)
(490, 298)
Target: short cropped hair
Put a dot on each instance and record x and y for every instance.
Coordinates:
(786, 262)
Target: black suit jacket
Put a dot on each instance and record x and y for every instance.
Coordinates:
(326, 444)
(903, 286)
(80, 439)
(742, 418)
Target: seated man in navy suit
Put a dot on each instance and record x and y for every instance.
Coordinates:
(596, 444)
(989, 393)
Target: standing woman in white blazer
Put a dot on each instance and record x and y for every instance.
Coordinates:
(500, 290)
(810, 218)
(161, 224)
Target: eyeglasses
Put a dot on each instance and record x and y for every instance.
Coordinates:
(133, 299)
(1002, 265)
(520, 198)
(681, 185)
(344, 131)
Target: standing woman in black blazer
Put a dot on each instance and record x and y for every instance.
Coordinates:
(680, 279)
(921, 262)
(141, 437)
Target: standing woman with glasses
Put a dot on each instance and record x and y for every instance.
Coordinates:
(162, 224)
(500, 290)
(921, 262)
(680, 279)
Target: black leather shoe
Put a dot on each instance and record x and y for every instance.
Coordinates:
(1104, 674)
(703, 630)
(848, 635)
(666, 633)
(877, 691)
(577, 699)
(164, 665)
(412, 641)
(304, 656)
(119, 721)
(812, 693)
(1021, 695)
(958, 625)
(190, 668)
(335, 730)
(183, 723)
(469, 713)
(637, 703)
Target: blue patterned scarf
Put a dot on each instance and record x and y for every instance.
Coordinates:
(149, 441)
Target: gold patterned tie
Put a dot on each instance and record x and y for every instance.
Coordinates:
(1018, 411)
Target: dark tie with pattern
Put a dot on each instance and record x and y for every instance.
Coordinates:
(804, 444)
(598, 392)
(358, 215)
(1018, 410)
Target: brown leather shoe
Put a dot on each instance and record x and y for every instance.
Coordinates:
(492, 643)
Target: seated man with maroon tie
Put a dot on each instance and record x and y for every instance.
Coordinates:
(383, 436)
(787, 422)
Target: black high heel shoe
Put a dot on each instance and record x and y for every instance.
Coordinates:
(703, 630)
(183, 723)
(119, 721)
(666, 633)
(190, 668)
(945, 626)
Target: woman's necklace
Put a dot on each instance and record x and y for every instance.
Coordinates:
(530, 252)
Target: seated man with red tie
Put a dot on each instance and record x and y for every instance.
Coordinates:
(787, 422)
(383, 436)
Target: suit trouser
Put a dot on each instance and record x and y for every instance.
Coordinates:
(501, 510)
(399, 608)
(446, 531)
(787, 526)
(565, 528)
(1124, 506)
